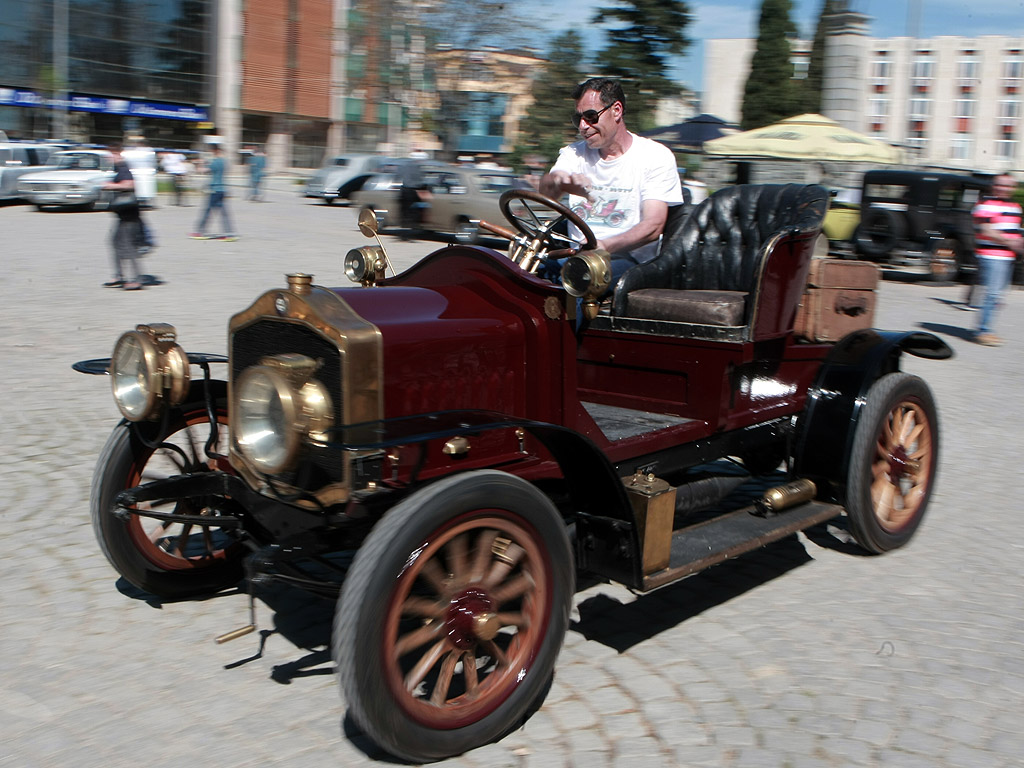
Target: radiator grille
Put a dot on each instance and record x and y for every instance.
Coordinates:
(275, 337)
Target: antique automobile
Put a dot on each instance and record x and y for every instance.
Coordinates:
(919, 219)
(446, 449)
(341, 176)
(460, 197)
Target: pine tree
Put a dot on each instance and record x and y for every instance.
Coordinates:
(649, 32)
(812, 86)
(770, 94)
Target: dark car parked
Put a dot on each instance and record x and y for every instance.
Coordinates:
(445, 449)
(919, 219)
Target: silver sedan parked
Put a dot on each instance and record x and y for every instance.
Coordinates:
(76, 182)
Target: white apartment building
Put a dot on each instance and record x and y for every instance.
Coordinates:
(951, 102)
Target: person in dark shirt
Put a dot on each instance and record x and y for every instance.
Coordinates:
(128, 229)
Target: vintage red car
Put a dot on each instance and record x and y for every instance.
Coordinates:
(468, 444)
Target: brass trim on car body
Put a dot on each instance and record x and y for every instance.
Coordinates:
(359, 343)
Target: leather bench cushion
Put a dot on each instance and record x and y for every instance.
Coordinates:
(700, 307)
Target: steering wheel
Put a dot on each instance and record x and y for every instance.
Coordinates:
(535, 239)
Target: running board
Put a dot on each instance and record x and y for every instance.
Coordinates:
(700, 546)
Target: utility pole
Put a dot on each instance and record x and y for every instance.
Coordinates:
(60, 69)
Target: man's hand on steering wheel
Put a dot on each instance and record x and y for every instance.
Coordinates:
(536, 239)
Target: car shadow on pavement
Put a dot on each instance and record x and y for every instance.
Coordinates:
(956, 331)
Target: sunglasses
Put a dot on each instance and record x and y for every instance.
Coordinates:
(590, 117)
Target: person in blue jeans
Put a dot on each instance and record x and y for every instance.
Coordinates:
(998, 242)
(217, 190)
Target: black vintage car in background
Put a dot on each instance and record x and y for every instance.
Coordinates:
(445, 449)
(919, 219)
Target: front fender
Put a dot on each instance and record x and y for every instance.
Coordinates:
(607, 534)
(824, 431)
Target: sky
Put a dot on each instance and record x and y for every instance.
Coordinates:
(738, 18)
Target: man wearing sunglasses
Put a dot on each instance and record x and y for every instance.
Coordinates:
(624, 182)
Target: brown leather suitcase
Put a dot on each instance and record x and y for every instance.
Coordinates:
(839, 298)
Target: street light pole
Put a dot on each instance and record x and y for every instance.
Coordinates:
(60, 69)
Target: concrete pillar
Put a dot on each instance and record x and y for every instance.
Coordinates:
(227, 115)
(846, 46)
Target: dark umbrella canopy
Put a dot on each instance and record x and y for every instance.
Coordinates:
(692, 133)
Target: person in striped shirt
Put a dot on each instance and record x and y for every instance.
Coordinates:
(998, 241)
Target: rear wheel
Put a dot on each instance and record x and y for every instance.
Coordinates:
(168, 560)
(878, 232)
(893, 464)
(452, 615)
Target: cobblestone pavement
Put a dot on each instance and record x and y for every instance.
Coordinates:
(803, 654)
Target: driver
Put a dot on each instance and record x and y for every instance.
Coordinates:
(611, 169)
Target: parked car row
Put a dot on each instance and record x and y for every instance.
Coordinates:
(76, 177)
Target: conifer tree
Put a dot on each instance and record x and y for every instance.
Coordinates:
(770, 94)
(643, 35)
(812, 86)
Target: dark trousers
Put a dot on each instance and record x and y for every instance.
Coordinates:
(125, 242)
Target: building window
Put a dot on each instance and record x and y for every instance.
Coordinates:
(1005, 149)
(920, 108)
(960, 147)
(801, 63)
(921, 69)
(963, 108)
(878, 108)
(1008, 111)
(880, 69)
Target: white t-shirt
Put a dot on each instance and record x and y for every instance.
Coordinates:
(646, 171)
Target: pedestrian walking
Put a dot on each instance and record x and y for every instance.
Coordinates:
(216, 169)
(128, 228)
(998, 241)
(175, 166)
(257, 167)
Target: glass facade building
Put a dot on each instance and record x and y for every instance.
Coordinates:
(107, 66)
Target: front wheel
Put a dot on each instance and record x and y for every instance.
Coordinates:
(453, 614)
(893, 464)
(168, 560)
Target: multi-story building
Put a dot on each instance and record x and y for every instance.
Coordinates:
(951, 102)
(94, 70)
(303, 78)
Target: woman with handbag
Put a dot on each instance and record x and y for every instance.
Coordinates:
(125, 206)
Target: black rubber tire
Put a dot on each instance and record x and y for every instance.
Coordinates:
(878, 232)
(126, 461)
(891, 475)
(395, 559)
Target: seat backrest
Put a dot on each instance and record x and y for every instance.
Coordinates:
(719, 245)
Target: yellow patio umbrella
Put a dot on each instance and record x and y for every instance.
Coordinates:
(805, 137)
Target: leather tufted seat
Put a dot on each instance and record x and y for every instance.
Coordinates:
(710, 264)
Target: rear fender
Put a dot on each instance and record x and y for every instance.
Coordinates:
(824, 431)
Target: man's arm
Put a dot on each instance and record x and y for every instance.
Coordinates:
(653, 214)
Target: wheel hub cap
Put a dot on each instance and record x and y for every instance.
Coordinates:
(470, 618)
(900, 465)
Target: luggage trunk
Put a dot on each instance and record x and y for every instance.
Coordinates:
(839, 298)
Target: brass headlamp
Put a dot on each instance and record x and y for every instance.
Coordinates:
(148, 370)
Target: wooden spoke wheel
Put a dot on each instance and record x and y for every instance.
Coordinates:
(169, 560)
(893, 462)
(453, 614)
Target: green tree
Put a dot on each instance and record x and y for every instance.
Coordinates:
(642, 35)
(770, 94)
(547, 127)
(811, 96)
